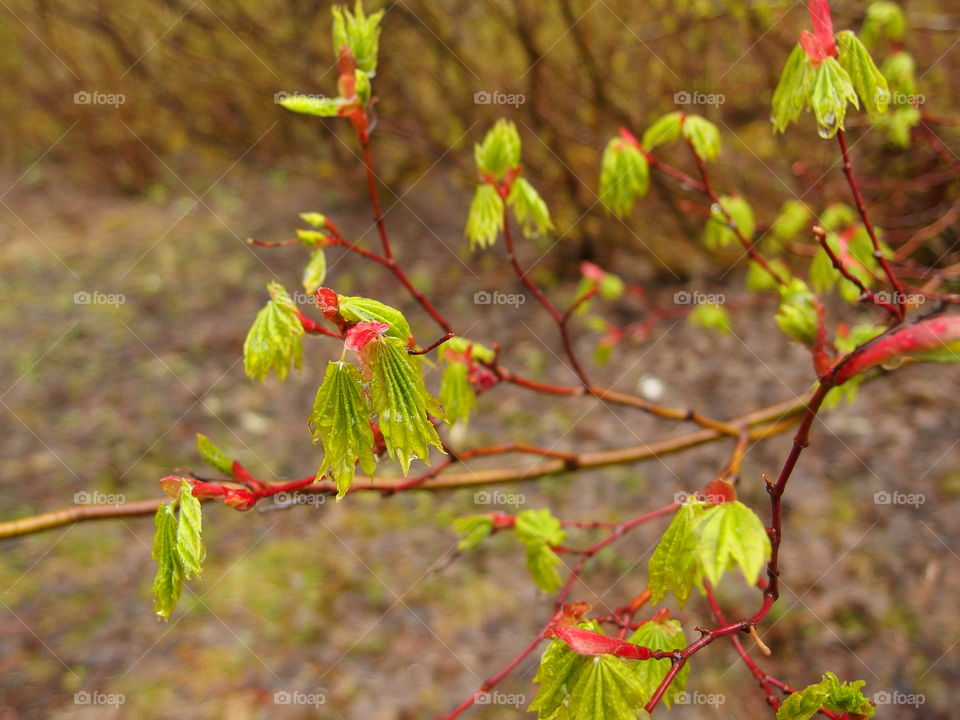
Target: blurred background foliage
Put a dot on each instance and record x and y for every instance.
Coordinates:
(199, 82)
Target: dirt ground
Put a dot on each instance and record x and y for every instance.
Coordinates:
(357, 604)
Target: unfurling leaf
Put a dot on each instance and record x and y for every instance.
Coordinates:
(703, 135)
(718, 231)
(213, 456)
(472, 530)
(731, 534)
(538, 530)
(168, 582)
(867, 80)
(485, 220)
(792, 220)
(830, 694)
(832, 90)
(664, 130)
(499, 151)
(316, 271)
(673, 566)
(660, 635)
(461, 345)
(361, 309)
(793, 91)
(401, 402)
(190, 547)
(273, 342)
(797, 314)
(317, 220)
(531, 211)
(456, 393)
(624, 175)
(360, 33)
(341, 422)
(312, 105)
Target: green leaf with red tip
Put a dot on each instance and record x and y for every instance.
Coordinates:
(360, 33)
(361, 309)
(341, 422)
(499, 151)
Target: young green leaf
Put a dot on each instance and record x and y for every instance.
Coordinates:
(317, 220)
(624, 176)
(168, 581)
(884, 19)
(361, 309)
(542, 562)
(673, 565)
(794, 89)
(832, 90)
(710, 317)
(537, 527)
(797, 314)
(273, 342)
(461, 345)
(472, 530)
(867, 80)
(360, 33)
(792, 220)
(660, 635)
(456, 393)
(703, 135)
(538, 530)
(531, 211)
(341, 422)
(213, 456)
(310, 105)
(759, 280)
(718, 233)
(190, 547)
(499, 151)
(830, 694)
(837, 216)
(485, 220)
(401, 402)
(731, 534)
(316, 271)
(664, 130)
